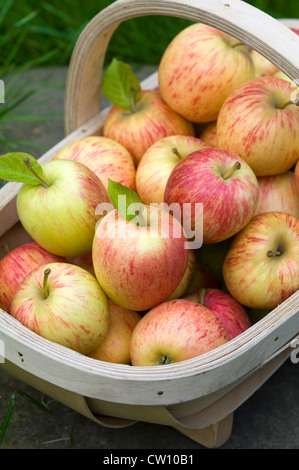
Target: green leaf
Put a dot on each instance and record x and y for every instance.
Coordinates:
(125, 200)
(120, 85)
(13, 168)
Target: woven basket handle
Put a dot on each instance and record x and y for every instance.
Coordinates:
(268, 36)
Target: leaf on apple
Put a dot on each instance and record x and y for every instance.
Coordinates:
(14, 169)
(125, 200)
(120, 85)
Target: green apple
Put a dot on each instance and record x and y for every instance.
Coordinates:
(61, 215)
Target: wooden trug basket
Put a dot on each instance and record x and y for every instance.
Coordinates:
(198, 396)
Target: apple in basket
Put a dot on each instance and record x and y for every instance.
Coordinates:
(174, 331)
(158, 162)
(115, 347)
(200, 68)
(278, 193)
(209, 134)
(260, 122)
(57, 202)
(223, 183)
(262, 65)
(138, 118)
(84, 261)
(139, 260)
(105, 157)
(16, 264)
(261, 267)
(65, 304)
(296, 174)
(232, 314)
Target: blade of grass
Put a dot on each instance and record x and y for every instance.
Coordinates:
(10, 410)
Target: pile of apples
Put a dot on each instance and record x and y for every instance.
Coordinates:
(117, 270)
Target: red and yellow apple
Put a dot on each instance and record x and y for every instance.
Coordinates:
(223, 183)
(175, 331)
(105, 157)
(139, 265)
(232, 314)
(158, 162)
(65, 304)
(262, 65)
(200, 68)
(296, 174)
(260, 123)
(278, 193)
(209, 134)
(115, 347)
(152, 120)
(261, 268)
(16, 264)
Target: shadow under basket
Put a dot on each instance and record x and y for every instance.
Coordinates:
(197, 397)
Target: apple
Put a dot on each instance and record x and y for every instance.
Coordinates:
(60, 215)
(116, 345)
(278, 193)
(296, 174)
(158, 162)
(232, 314)
(200, 68)
(221, 181)
(262, 65)
(209, 134)
(174, 331)
(105, 157)
(65, 304)
(187, 278)
(16, 264)
(84, 261)
(281, 74)
(140, 264)
(261, 268)
(260, 123)
(151, 120)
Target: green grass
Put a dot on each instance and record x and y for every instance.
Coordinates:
(47, 31)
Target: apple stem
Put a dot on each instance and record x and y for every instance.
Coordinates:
(273, 253)
(132, 98)
(30, 167)
(45, 283)
(164, 360)
(201, 296)
(231, 170)
(177, 153)
(6, 248)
